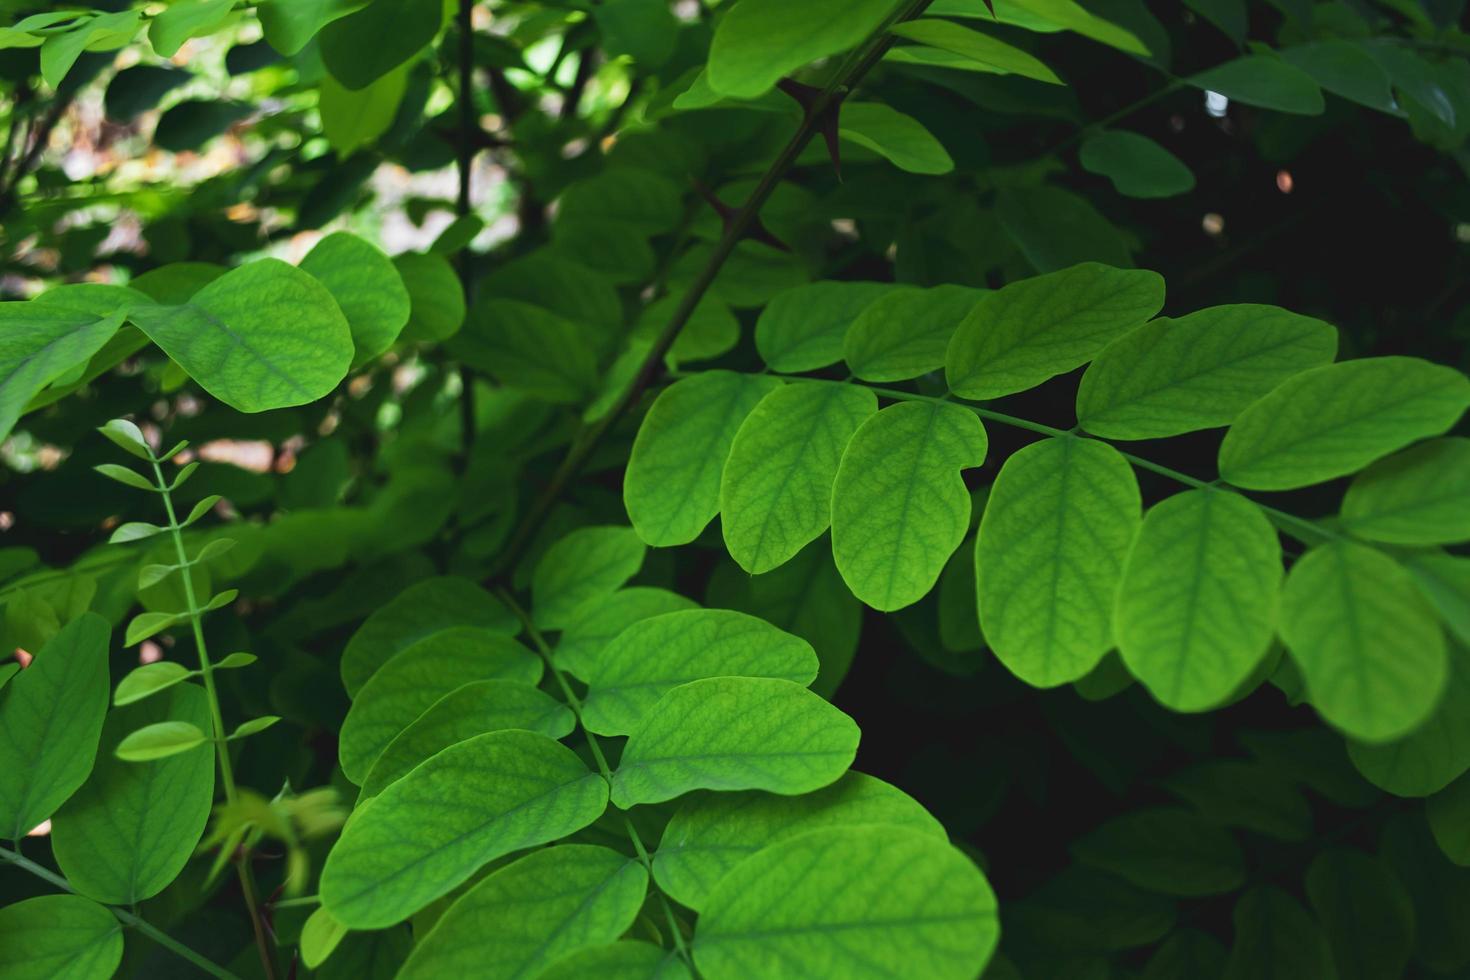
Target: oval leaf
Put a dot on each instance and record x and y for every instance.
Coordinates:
(1418, 497)
(587, 564)
(59, 936)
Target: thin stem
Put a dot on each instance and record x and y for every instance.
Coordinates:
(1306, 531)
(124, 916)
(466, 159)
(735, 229)
(217, 721)
(575, 703)
(1174, 85)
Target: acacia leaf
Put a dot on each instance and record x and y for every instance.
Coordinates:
(997, 56)
(760, 41)
(803, 329)
(905, 333)
(776, 488)
(1167, 850)
(856, 902)
(734, 733)
(366, 286)
(1420, 496)
(595, 623)
(586, 564)
(653, 656)
(899, 504)
(59, 936)
(430, 831)
(1056, 531)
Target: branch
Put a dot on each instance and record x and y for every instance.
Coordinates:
(736, 228)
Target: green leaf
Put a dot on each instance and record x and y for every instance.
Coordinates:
(147, 624)
(900, 139)
(1197, 603)
(672, 486)
(159, 741)
(595, 623)
(291, 24)
(1449, 820)
(529, 349)
(712, 329)
(532, 912)
(1434, 754)
(1445, 582)
(1420, 496)
(733, 733)
(419, 611)
(1365, 912)
(127, 437)
(189, 18)
(1343, 68)
(1061, 517)
(61, 50)
(236, 660)
(997, 56)
(125, 476)
(1035, 329)
(1367, 643)
(1334, 420)
(899, 505)
(1248, 795)
(802, 329)
(263, 336)
(1087, 909)
(1165, 850)
(355, 118)
(369, 43)
(855, 902)
(320, 937)
(1137, 166)
(712, 834)
(472, 709)
(1186, 955)
(760, 41)
(409, 684)
(134, 531)
(131, 828)
(148, 680)
(627, 959)
(365, 285)
(1276, 937)
(905, 333)
(1055, 14)
(201, 508)
(188, 126)
(1056, 229)
(57, 936)
(1265, 81)
(1199, 371)
(587, 564)
(252, 727)
(631, 196)
(477, 800)
(645, 30)
(652, 657)
(50, 720)
(436, 299)
(41, 342)
(776, 490)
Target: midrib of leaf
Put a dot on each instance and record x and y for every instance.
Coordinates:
(705, 458)
(889, 922)
(1191, 605)
(908, 495)
(1355, 633)
(242, 344)
(1059, 540)
(565, 923)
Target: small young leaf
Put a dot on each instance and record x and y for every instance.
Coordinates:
(1197, 602)
(732, 733)
(213, 550)
(151, 575)
(185, 472)
(1060, 519)
(134, 531)
(427, 833)
(672, 486)
(711, 834)
(201, 508)
(1198, 371)
(236, 660)
(149, 679)
(1420, 496)
(125, 476)
(472, 709)
(414, 679)
(1032, 330)
(50, 720)
(146, 624)
(127, 437)
(253, 727)
(879, 901)
(159, 741)
(320, 937)
(59, 936)
(587, 564)
(776, 489)
(531, 912)
(1334, 420)
(899, 504)
(654, 656)
(1368, 644)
